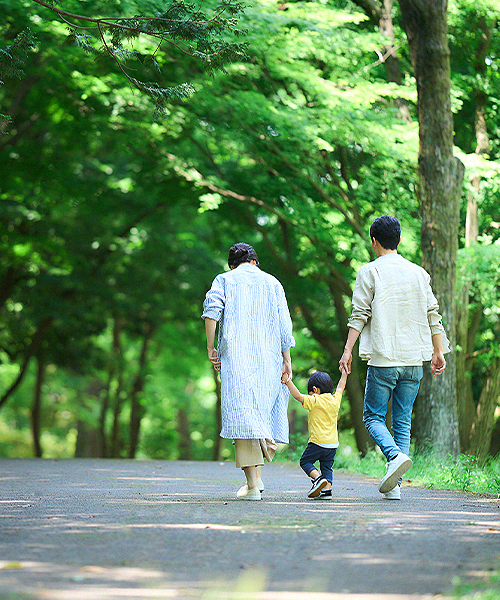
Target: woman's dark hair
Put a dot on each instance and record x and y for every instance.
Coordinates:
(322, 381)
(241, 253)
(387, 231)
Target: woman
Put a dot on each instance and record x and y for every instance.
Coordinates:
(253, 352)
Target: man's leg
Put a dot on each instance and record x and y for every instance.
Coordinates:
(380, 381)
(403, 397)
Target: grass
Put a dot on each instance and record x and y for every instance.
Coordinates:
(463, 473)
(486, 589)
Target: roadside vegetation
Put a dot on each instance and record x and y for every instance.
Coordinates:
(464, 473)
(487, 588)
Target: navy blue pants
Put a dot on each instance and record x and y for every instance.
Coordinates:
(325, 456)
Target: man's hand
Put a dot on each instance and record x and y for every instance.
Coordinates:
(213, 357)
(345, 362)
(438, 363)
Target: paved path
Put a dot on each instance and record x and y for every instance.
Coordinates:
(116, 530)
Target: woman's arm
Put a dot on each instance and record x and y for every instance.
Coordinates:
(210, 327)
(286, 373)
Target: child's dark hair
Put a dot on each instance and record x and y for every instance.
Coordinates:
(322, 381)
(387, 231)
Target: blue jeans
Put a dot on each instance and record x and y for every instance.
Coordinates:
(312, 454)
(402, 384)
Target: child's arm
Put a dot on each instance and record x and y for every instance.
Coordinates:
(294, 391)
(341, 383)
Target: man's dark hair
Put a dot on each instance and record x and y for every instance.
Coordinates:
(241, 253)
(322, 381)
(387, 231)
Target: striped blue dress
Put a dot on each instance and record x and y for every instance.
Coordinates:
(254, 329)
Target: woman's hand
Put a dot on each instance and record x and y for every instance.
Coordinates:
(286, 373)
(213, 357)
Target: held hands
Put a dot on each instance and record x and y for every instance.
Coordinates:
(345, 362)
(213, 357)
(286, 375)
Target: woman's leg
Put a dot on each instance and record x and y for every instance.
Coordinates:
(248, 454)
(251, 475)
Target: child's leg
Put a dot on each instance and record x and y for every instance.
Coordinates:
(308, 458)
(326, 463)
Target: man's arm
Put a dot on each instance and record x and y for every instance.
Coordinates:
(346, 358)
(210, 327)
(438, 362)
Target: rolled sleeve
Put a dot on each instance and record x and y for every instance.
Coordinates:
(362, 298)
(213, 306)
(287, 339)
(435, 320)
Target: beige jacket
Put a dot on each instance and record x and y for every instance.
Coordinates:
(396, 312)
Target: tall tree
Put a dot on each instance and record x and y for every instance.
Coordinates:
(440, 183)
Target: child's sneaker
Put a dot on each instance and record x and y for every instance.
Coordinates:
(317, 485)
(325, 495)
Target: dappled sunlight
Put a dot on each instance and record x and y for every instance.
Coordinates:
(122, 583)
(358, 558)
(159, 526)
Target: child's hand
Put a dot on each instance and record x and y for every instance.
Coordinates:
(285, 378)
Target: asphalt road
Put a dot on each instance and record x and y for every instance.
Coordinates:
(122, 529)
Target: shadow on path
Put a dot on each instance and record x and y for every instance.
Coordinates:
(121, 529)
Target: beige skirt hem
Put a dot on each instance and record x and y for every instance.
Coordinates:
(251, 453)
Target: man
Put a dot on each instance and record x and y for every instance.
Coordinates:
(395, 315)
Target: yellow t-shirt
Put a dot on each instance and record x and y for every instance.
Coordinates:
(322, 419)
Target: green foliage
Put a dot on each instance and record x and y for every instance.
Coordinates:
(477, 266)
(150, 42)
(487, 588)
(463, 473)
(112, 227)
(12, 59)
(13, 56)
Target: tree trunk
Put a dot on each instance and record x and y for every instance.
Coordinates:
(482, 140)
(106, 399)
(36, 409)
(391, 61)
(441, 175)
(465, 402)
(184, 437)
(137, 411)
(36, 341)
(482, 429)
(119, 396)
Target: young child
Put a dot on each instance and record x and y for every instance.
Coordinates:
(323, 407)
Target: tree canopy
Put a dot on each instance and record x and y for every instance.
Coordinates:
(113, 225)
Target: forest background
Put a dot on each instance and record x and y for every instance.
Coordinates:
(119, 201)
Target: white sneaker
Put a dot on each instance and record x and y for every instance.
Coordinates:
(260, 485)
(248, 494)
(394, 494)
(395, 468)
